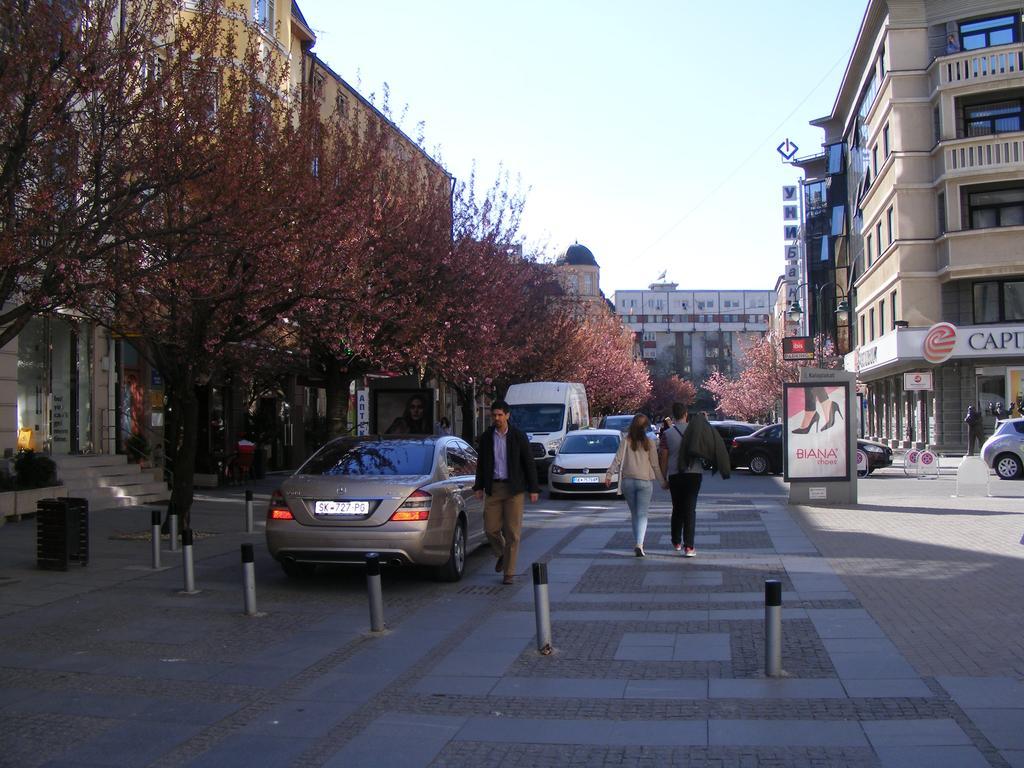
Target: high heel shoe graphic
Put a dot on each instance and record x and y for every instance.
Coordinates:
(811, 423)
(835, 411)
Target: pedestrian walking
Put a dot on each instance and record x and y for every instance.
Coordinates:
(975, 429)
(636, 462)
(684, 448)
(505, 472)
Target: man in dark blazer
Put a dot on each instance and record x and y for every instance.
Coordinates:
(505, 471)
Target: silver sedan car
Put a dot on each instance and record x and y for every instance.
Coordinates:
(408, 498)
(1004, 451)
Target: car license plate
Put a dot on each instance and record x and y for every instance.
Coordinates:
(341, 508)
(586, 479)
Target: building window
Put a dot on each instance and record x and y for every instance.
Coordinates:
(878, 238)
(996, 208)
(892, 310)
(887, 150)
(263, 14)
(867, 250)
(881, 317)
(998, 301)
(997, 117)
(890, 224)
(874, 160)
(871, 323)
(340, 103)
(863, 337)
(985, 33)
(588, 285)
(834, 153)
(940, 202)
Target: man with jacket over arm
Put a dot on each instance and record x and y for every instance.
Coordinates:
(505, 471)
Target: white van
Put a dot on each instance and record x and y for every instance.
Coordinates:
(545, 411)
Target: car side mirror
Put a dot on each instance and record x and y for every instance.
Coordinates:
(573, 426)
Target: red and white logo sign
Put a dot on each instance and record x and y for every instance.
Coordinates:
(939, 342)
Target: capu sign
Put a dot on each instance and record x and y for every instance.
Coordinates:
(1003, 340)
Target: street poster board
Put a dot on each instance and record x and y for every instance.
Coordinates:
(816, 435)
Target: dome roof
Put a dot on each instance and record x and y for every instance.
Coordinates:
(577, 255)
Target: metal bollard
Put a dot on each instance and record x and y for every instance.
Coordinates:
(249, 579)
(542, 607)
(248, 512)
(773, 628)
(373, 588)
(172, 522)
(186, 548)
(155, 521)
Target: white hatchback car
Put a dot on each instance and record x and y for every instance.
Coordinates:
(582, 462)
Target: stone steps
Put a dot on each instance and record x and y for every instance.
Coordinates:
(107, 482)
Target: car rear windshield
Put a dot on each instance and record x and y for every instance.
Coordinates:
(538, 417)
(590, 444)
(372, 457)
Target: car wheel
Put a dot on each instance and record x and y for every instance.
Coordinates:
(1008, 466)
(760, 464)
(456, 565)
(297, 570)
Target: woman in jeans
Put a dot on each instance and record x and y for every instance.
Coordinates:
(637, 464)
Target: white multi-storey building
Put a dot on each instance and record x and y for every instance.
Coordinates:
(694, 332)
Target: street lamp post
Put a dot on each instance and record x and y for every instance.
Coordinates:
(795, 311)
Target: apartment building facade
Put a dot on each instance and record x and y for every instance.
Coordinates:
(692, 333)
(927, 132)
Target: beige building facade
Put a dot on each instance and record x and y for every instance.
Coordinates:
(927, 128)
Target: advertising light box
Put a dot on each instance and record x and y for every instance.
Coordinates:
(817, 437)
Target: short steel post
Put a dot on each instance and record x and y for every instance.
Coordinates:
(155, 520)
(773, 628)
(186, 549)
(541, 607)
(373, 588)
(248, 511)
(172, 522)
(249, 579)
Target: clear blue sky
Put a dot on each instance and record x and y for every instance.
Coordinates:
(645, 131)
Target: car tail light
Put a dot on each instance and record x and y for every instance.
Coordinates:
(416, 507)
(279, 508)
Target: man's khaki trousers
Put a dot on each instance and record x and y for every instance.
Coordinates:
(503, 523)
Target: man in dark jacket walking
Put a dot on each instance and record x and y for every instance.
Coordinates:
(505, 471)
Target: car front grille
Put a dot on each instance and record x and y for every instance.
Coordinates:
(537, 450)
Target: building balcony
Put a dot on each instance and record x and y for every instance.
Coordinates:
(975, 155)
(1002, 62)
(980, 252)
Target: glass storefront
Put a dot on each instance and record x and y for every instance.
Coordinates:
(54, 387)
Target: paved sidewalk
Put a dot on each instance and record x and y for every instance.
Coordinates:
(658, 661)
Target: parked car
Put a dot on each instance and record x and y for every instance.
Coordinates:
(762, 452)
(582, 462)
(879, 455)
(407, 497)
(729, 429)
(621, 422)
(1004, 451)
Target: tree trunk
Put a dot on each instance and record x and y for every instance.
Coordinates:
(468, 406)
(183, 487)
(338, 383)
